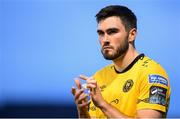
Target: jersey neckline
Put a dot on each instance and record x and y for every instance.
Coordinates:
(130, 65)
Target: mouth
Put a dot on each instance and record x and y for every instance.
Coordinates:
(107, 47)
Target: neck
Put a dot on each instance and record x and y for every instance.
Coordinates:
(123, 61)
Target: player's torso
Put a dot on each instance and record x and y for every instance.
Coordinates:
(126, 90)
(119, 90)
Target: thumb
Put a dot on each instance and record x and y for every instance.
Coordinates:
(78, 83)
(73, 90)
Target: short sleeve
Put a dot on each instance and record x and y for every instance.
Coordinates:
(154, 91)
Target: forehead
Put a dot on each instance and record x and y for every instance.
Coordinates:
(110, 22)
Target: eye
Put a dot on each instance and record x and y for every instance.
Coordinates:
(100, 33)
(112, 31)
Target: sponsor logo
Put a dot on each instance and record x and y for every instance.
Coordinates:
(158, 79)
(116, 101)
(128, 85)
(145, 63)
(93, 108)
(146, 100)
(102, 87)
(157, 95)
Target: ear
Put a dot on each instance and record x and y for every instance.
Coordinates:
(132, 35)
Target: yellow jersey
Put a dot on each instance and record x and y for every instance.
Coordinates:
(144, 84)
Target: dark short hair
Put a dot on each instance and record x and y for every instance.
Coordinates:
(128, 18)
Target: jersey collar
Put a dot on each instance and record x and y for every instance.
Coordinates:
(130, 65)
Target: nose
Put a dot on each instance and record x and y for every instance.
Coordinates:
(105, 38)
(105, 42)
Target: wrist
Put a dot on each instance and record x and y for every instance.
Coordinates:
(102, 104)
(82, 110)
(83, 113)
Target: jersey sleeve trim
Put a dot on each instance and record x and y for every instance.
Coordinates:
(143, 105)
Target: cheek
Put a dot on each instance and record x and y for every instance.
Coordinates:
(100, 41)
(119, 39)
(116, 43)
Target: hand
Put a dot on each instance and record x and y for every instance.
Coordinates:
(95, 92)
(80, 97)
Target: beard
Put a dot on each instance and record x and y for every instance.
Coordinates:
(120, 51)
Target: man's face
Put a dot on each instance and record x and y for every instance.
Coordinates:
(112, 37)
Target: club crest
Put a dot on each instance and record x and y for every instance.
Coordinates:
(128, 85)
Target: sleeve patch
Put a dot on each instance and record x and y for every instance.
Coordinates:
(158, 79)
(157, 95)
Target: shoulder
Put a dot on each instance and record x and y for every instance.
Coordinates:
(108, 68)
(153, 72)
(149, 66)
(105, 73)
(154, 87)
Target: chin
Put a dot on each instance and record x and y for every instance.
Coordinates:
(109, 57)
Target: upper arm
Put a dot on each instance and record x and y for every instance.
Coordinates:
(154, 94)
(149, 113)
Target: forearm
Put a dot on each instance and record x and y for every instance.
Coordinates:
(110, 111)
(83, 114)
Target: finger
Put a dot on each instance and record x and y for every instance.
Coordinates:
(83, 77)
(73, 90)
(90, 86)
(78, 93)
(82, 98)
(78, 83)
(92, 81)
(84, 104)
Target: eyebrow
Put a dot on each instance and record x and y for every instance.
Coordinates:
(112, 29)
(109, 29)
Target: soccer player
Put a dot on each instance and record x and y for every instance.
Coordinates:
(133, 85)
